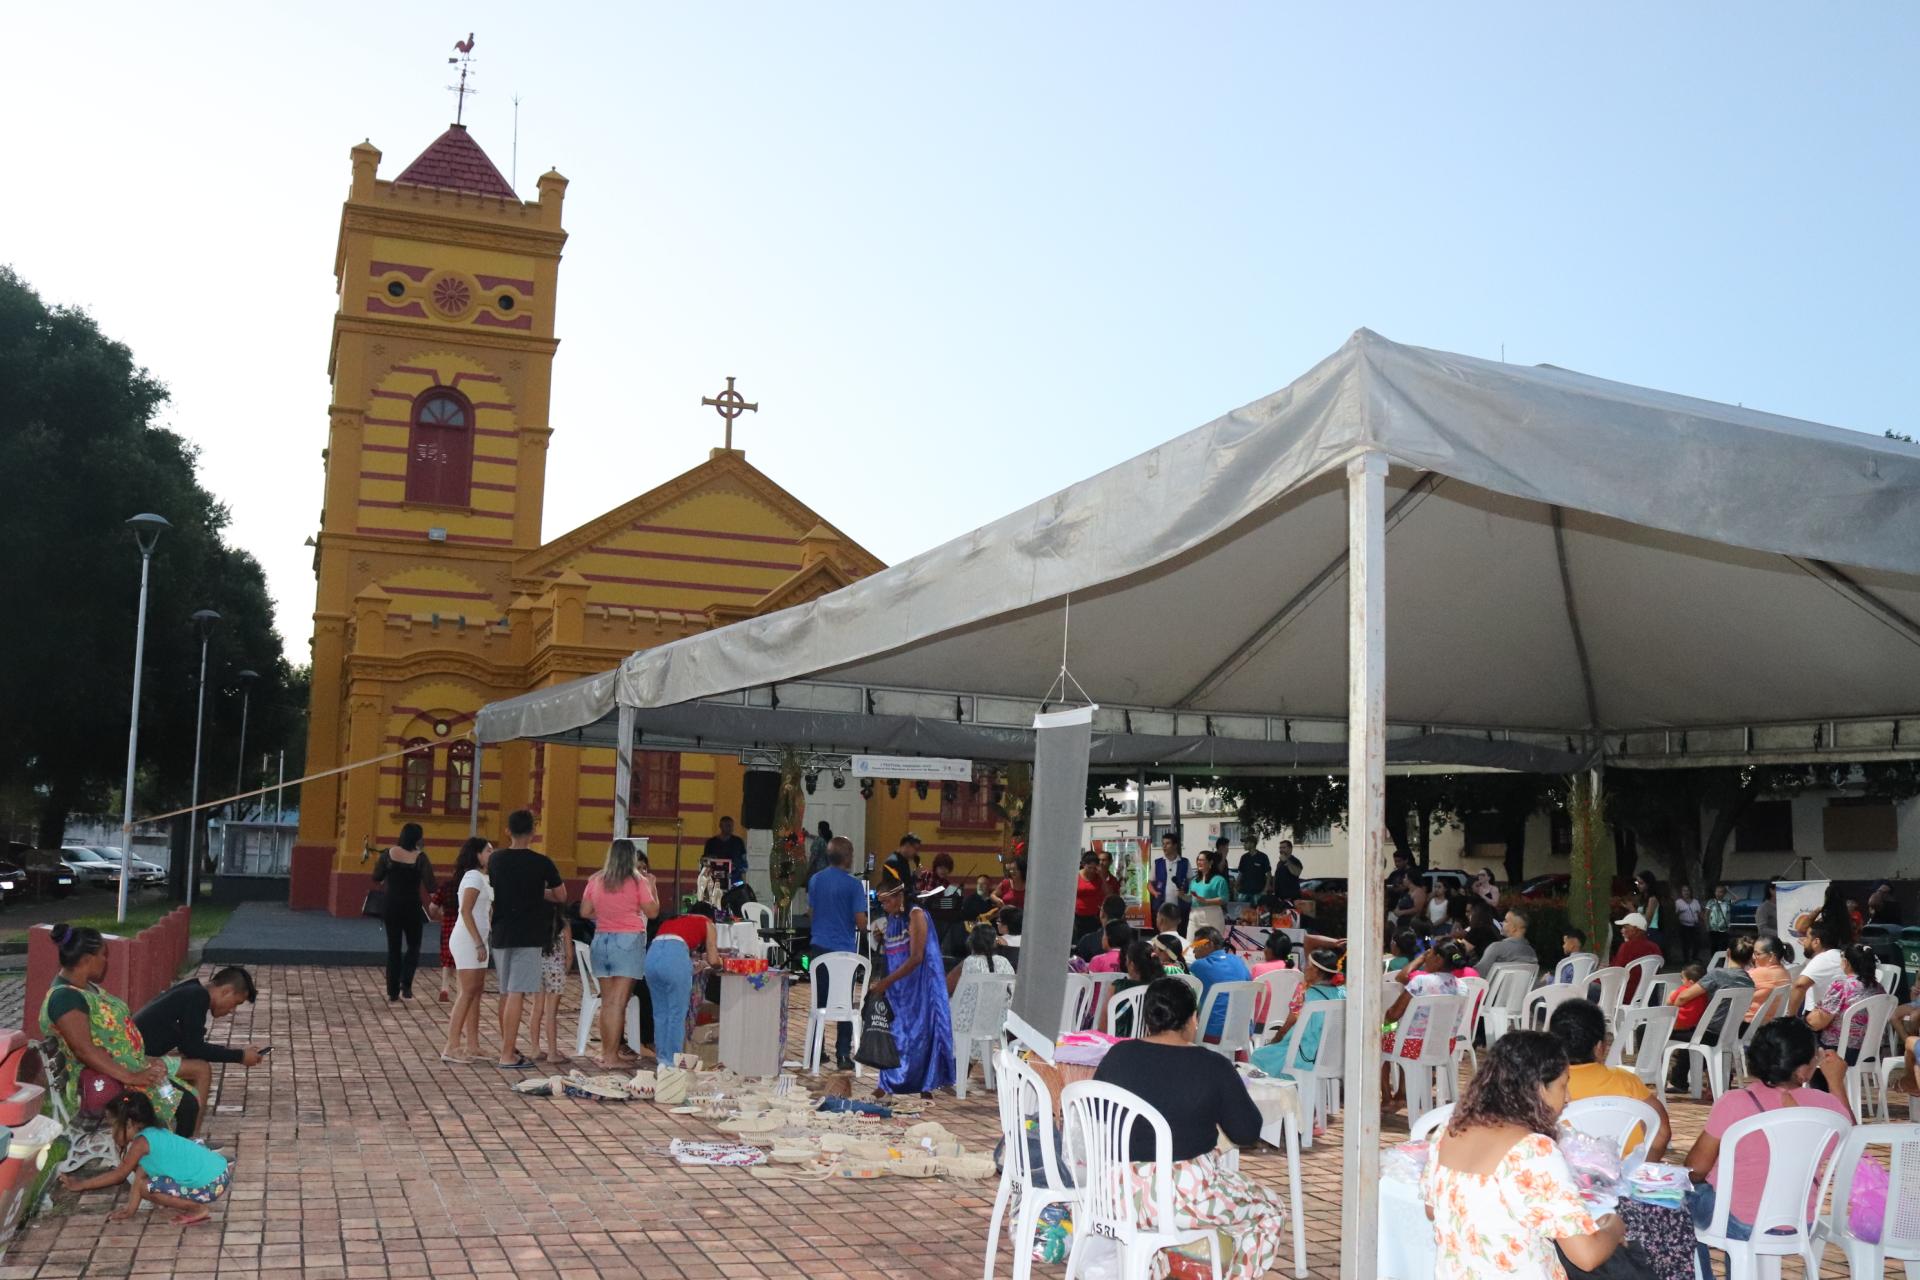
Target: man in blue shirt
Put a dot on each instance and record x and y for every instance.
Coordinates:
(839, 906)
(1213, 964)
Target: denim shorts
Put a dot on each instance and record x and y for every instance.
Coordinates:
(620, 955)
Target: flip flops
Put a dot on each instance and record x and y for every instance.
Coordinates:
(521, 1062)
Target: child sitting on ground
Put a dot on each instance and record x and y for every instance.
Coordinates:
(158, 1165)
(1690, 1010)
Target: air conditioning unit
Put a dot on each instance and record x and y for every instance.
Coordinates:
(1153, 807)
(1196, 804)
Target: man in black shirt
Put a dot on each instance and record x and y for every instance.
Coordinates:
(1251, 875)
(1284, 883)
(175, 1021)
(730, 846)
(1094, 941)
(526, 886)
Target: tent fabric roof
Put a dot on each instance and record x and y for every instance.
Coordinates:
(1564, 553)
(454, 162)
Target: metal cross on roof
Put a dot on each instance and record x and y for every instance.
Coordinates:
(730, 404)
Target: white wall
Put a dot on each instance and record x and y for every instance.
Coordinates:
(1809, 840)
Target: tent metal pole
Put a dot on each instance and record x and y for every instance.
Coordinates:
(1366, 863)
(622, 771)
(1140, 811)
(473, 794)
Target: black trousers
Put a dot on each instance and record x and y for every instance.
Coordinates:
(403, 950)
(185, 1114)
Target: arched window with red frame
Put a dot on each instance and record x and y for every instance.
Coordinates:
(440, 449)
(460, 777)
(416, 777)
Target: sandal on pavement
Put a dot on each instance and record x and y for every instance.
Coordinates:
(521, 1062)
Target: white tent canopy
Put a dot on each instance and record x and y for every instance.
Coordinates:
(1536, 556)
(1568, 554)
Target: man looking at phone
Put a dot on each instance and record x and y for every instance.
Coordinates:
(175, 1021)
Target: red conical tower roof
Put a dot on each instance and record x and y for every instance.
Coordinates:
(455, 162)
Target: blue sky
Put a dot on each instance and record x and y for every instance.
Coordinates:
(965, 255)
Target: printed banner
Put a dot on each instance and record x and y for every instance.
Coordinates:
(913, 768)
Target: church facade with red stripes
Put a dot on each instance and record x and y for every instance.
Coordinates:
(436, 593)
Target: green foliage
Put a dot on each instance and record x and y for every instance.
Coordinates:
(77, 433)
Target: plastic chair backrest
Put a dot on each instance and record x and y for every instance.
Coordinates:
(1076, 1003)
(1900, 1227)
(1717, 960)
(1438, 1018)
(1529, 973)
(1330, 1055)
(1278, 986)
(1615, 1120)
(1507, 989)
(1024, 1096)
(1735, 1001)
(1658, 988)
(1475, 990)
(1798, 1141)
(1611, 981)
(1576, 968)
(1656, 1031)
(1770, 1008)
(1236, 1026)
(846, 979)
(758, 914)
(1547, 999)
(993, 993)
(1645, 967)
(583, 960)
(1888, 976)
(1865, 1023)
(1132, 998)
(1426, 1124)
(1100, 1120)
(1197, 985)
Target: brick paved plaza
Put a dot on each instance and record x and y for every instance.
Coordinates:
(360, 1155)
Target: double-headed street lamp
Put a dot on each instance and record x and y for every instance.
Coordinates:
(147, 529)
(203, 622)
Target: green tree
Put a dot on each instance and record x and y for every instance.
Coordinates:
(77, 432)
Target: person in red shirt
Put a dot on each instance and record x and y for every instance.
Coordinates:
(1690, 1010)
(1012, 891)
(1635, 944)
(1089, 891)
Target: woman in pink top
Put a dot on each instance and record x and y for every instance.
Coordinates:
(1782, 1057)
(1277, 949)
(619, 898)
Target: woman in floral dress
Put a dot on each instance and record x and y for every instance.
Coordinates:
(1500, 1193)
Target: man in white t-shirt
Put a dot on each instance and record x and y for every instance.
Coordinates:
(1823, 966)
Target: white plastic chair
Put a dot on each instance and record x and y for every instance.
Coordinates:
(1433, 1076)
(590, 1006)
(846, 992)
(1716, 1052)
(1870, 1016)
(1024, 1096)
(1770, 1008)
(1616, 1120)
(1076, 1003)
(1645, 967)
(1426, 1124)
(1611, 981)
(1504, 1007)
(1542, 1001)
(1319, 1082)
(1655, 1028)
(1199, 987)
(985, 1028)
(1717, 960)
(757, 914)
(1900, 1227)
(1236, 1025)
(1475, 991)
(1530, 973)
(1575, 969)
(1798, 1140)
(1100, 1120)
(1102, 984)
(1279, 986)
(1130, 999)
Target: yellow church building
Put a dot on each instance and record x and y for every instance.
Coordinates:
(436, 594)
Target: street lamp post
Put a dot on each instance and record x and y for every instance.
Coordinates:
(203, 622)
(147, 529)
(246, 678)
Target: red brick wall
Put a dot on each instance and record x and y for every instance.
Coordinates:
(138, 967)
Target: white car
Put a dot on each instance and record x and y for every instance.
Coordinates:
(100, 865)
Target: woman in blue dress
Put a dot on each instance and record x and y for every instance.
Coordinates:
(916, 988)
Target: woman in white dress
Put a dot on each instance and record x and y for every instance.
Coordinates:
(474, 899)
(980, 959)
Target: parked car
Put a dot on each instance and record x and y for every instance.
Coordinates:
(93, 858)
(13, 882)
(1747, 896)
(88, 867)
(44, 872)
